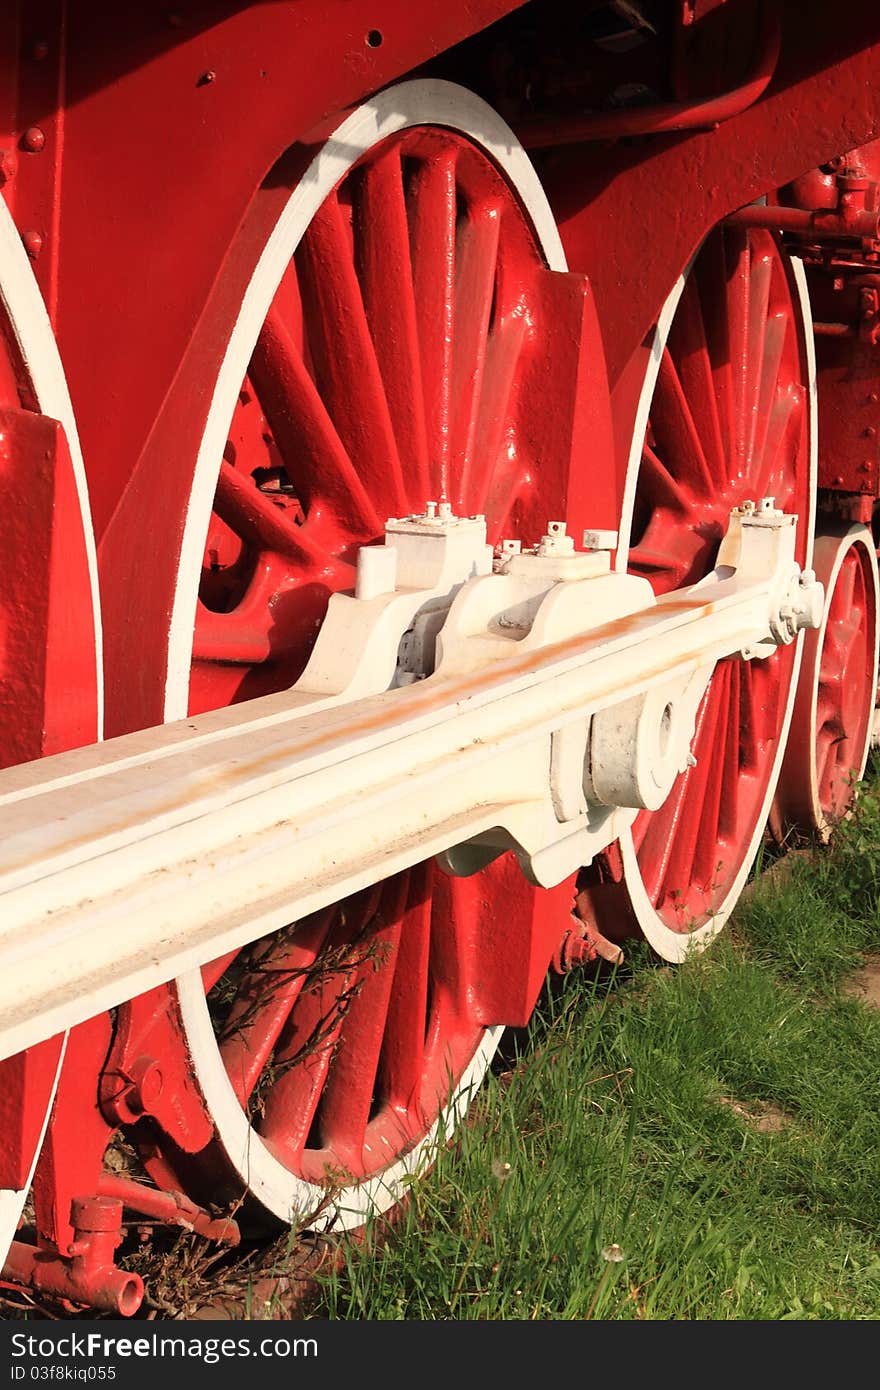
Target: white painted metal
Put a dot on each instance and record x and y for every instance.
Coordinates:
(125, 863)
(673, 945)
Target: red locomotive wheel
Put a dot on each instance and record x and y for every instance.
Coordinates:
(377, 361)
(833, 712)
(728, 406)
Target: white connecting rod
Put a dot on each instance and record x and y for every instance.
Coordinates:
(127, 863)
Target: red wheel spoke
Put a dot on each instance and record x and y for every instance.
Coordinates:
(386, 276)
(748, 720)
(827, 700)
(402, 1060)
(705, 863)
(314, 454)
(684, 845)
(432, 198)
(346, 368)
(657, 835)
(689, 345)
(783, 435)
(253, 516)
(738, 295)
(502, 359)
(215, 969)
(828, 748)
(351, 1084)
(710, 272)
(844, 590)
(774, 342)
(265, 999)
(759, 362)
(661, 483)
(476, 263)
(308, 1043)
(675, 432)
(728, 819)
(641, 825)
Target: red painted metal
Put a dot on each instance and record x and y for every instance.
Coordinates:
(168, 1208)
(541, 133)
(90, 1275)
(26, 1082)
(145, 156)
(855, 223)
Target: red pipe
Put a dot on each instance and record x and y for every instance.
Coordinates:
(171, 1207)
(833, 330)
(821, 222)
(90, 1276)
(542, 132)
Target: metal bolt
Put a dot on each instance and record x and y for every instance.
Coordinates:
(33, 243)
(444, 511)
(147, 1084)
(40, 50)
(430, 510)
(33, 139)
(206, 78)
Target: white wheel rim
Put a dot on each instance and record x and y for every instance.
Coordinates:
(672, 945)
(415, 103)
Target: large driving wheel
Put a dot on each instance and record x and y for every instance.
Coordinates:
(384, 354)
(726, 415)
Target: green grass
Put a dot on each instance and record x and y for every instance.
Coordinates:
(702, 1142)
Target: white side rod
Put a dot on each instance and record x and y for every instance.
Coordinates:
(125, 864)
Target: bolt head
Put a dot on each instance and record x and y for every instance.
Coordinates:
(33, 139)
(33, 243)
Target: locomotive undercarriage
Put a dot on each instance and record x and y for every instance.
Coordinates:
(435, 560)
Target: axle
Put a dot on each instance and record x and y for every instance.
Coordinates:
(447, 710)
